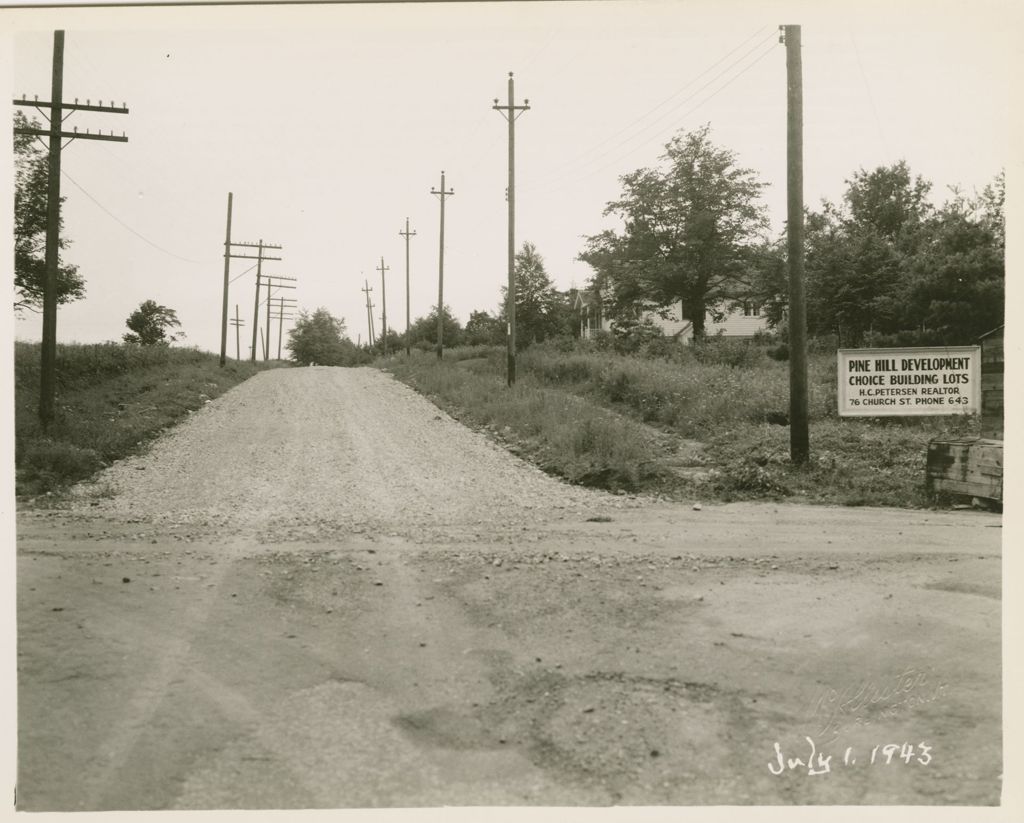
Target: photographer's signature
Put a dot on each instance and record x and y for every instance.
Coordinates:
(872, 700)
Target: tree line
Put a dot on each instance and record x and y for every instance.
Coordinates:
(884, 265)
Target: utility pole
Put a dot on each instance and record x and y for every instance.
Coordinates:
(283, 305)
(440, 271)
(271, 285)
(384, 303)
(511, 113)
(259, 257)
(799, 445)
(237, 323)
(224, 307)
(407, 234)
(55, 133)
(367, 288)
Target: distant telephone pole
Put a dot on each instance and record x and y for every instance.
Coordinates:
(407, 234)
(283, 305)
(271, 285)
(237, 323)
(442, 194)
(224, 307)
(56, 135)
(384, 304)
(259, 257)
(367, 288)
(511, 113)
(799, 438)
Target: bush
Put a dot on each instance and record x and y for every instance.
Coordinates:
(46, 464)
(728, 351)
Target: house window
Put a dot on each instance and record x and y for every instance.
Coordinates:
(751, 309)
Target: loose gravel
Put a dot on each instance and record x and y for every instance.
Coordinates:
(307, 453)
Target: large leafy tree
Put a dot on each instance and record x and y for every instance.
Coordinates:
(151, 323)
(482, 329)
(423, 331)
(886, 261)
(540, 308)
(319, 337)
(689, 229)
(31, 174)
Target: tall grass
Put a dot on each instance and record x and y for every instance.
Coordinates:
(111, 399)
(728, 395)
(561, 433)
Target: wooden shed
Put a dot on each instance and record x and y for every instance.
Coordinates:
(973, 466)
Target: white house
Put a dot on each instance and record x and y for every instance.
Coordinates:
(739, 322)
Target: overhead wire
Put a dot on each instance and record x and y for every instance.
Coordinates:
(562, 182)
(124, 225)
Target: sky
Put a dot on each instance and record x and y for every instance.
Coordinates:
(331, 124)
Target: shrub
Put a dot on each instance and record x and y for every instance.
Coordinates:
(46, 464)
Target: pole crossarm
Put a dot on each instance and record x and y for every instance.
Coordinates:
(76, 106)
(254, 257)
(277, 276)
(74, 135)
(256, 245)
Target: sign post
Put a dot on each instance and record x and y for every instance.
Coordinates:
(909, 382)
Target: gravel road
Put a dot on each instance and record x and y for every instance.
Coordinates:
(322, 592)
(319, 451)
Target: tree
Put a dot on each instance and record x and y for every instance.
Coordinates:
(31, 174)
(149, 325)
(319, 337)
(483, 330)
(688, 231)
(886, 261)
(539, 306)
(423, 330)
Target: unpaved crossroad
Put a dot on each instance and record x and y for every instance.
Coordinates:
(323, 592)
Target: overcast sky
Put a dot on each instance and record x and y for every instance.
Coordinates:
(330, 124)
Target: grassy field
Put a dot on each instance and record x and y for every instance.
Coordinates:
(111, 399)
(705, 424)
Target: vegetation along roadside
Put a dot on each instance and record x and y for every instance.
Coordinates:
(704, 422)
(112, 398)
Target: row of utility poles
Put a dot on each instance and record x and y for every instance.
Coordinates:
(511, 112)
(59, 110)
(271, 282)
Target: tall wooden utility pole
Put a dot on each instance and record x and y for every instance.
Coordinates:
(56, 134)
(799, 445)
(237, 322)
(259, 257)
(224, 307)
(511, 112)
(407, 234)
(440, 271)
(384, 304)
(367, 288)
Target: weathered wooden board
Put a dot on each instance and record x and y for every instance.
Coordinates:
(968, 466)
(992, 384)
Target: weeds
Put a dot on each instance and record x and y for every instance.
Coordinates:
(726, 395)
(111, 399)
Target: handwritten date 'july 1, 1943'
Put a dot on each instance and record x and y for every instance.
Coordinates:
(818, 763)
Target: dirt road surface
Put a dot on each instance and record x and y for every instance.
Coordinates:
(322, 592)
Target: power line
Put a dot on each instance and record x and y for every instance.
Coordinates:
(117, 219)
(569, 174)
(556, 184)
(581, 158)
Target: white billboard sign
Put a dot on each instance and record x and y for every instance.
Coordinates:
(905, 382)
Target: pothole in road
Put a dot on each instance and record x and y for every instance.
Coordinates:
(631, 735)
